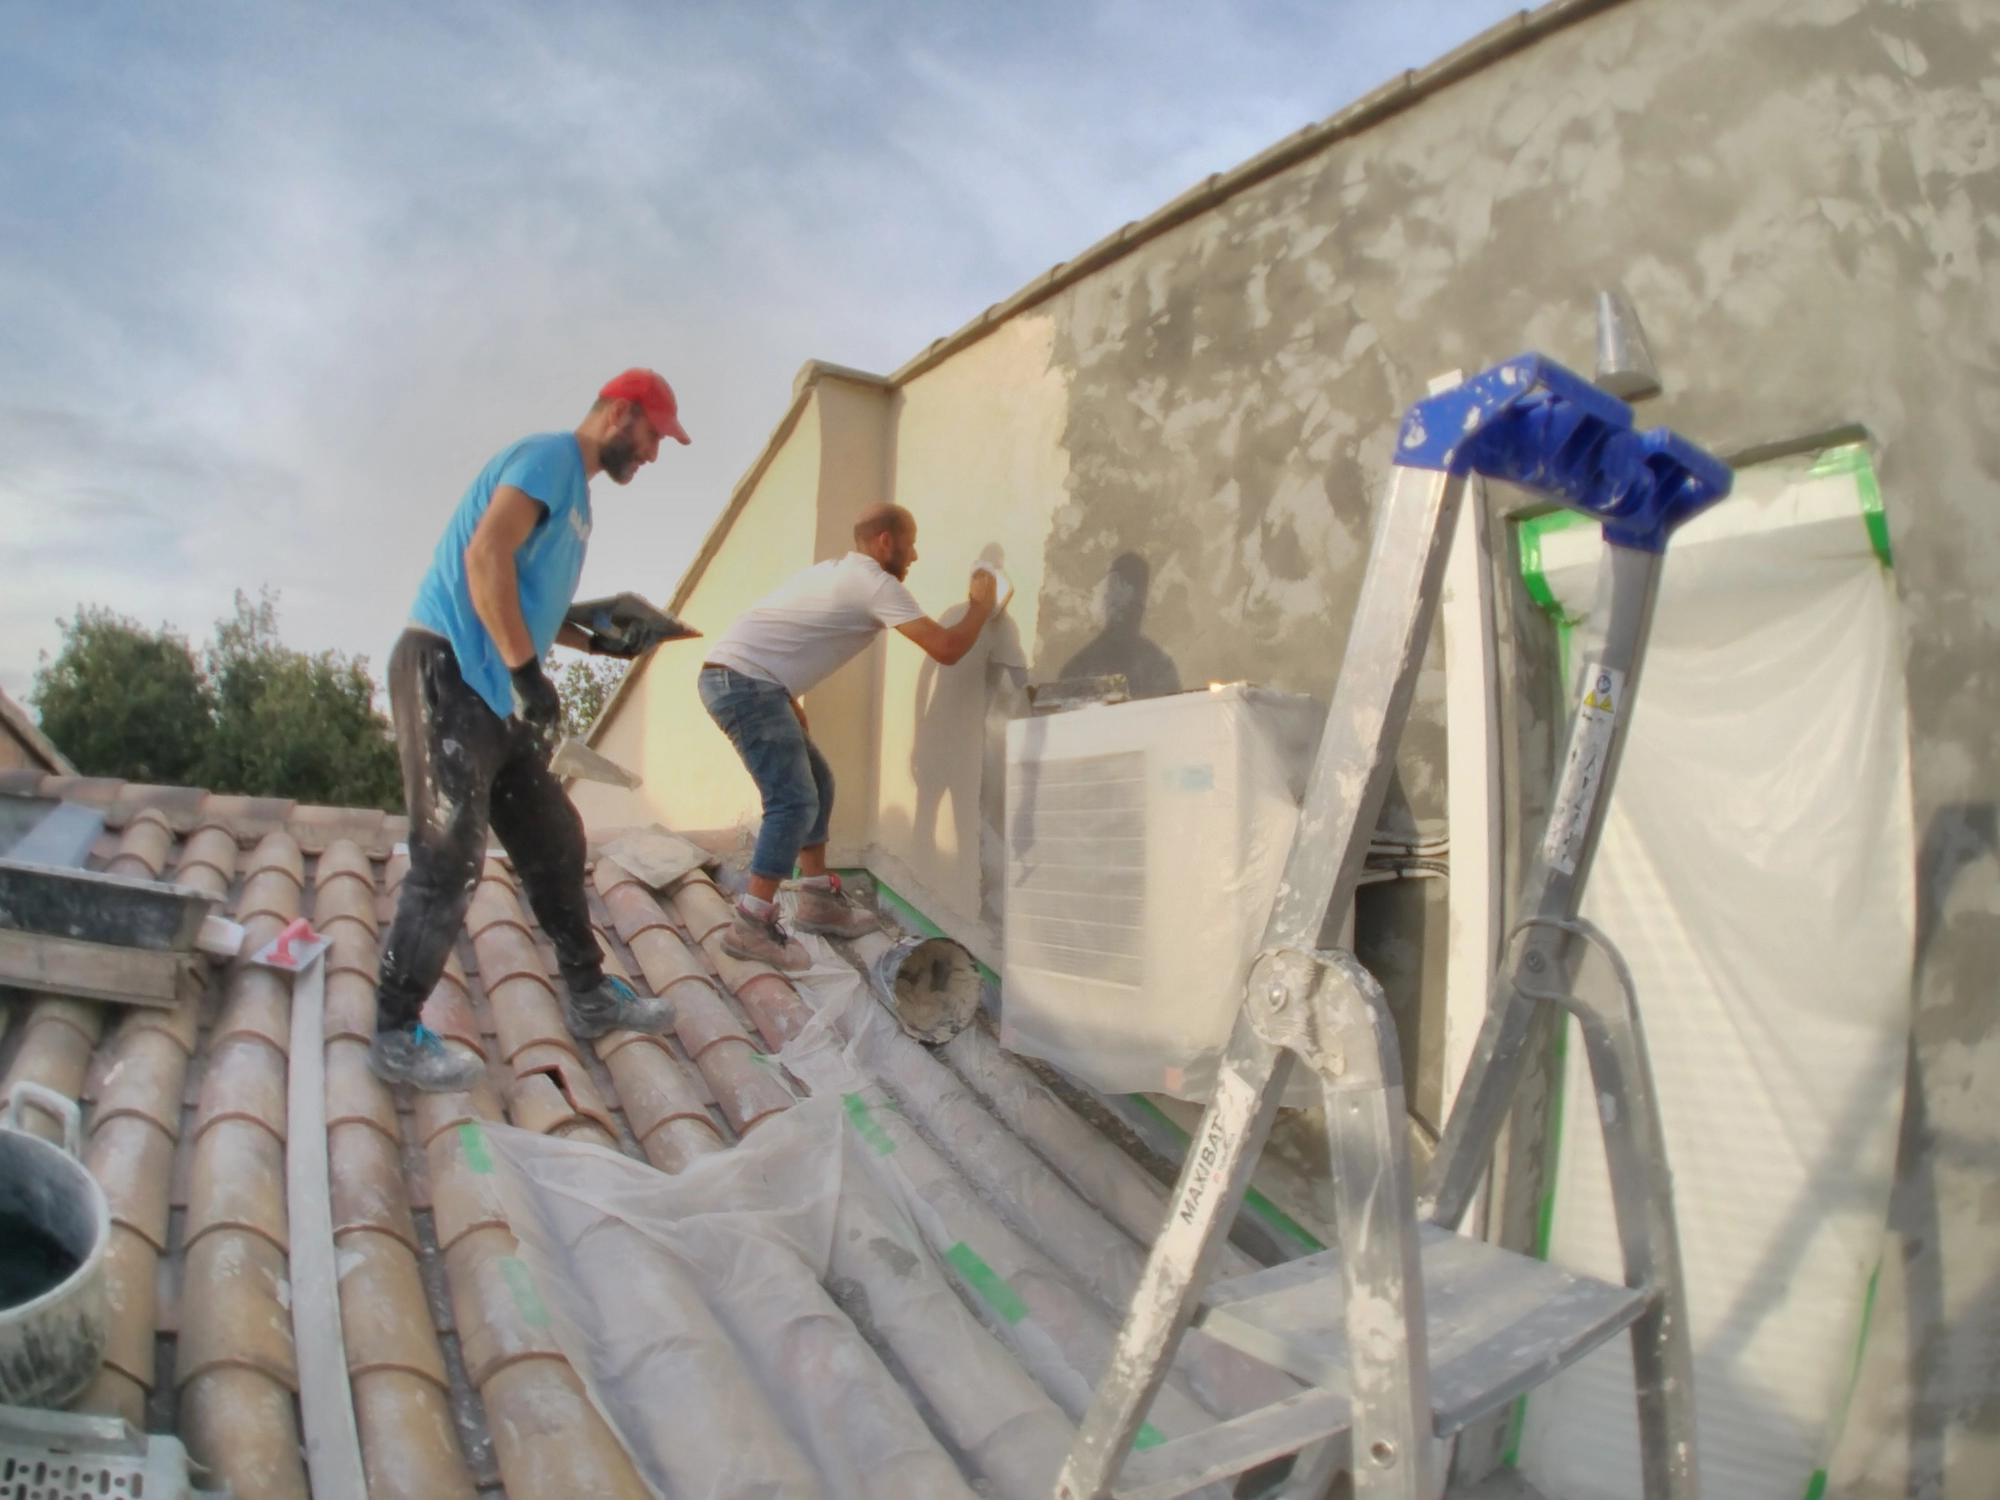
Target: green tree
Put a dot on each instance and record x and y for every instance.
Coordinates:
(123, 701)
(251, 715)
(586, 684)
(293, 724)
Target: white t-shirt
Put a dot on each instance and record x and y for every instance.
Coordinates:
(815, 622)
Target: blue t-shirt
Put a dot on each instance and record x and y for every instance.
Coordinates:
(547, 467)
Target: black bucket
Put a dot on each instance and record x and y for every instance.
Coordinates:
(55, 1229)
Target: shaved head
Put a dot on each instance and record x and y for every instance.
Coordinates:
(879, 520)
(887, 533)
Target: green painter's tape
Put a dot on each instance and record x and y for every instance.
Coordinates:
(527, 1301)
(1816, 1486)
(1545, 1211)
(1254, 1202)
(1528, 536)
(474, 1142)
(912, 920)
(1517, 1416)
(989, 1283)
(862, 1118)
(1545, 1214)
(1852, 458)
(1148, 1436)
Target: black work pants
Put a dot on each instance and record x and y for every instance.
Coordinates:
(465, 767)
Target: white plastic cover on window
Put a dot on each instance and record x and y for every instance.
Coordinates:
(1145, 841)
(1756, 872)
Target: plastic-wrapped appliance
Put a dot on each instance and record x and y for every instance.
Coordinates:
(1145, 841)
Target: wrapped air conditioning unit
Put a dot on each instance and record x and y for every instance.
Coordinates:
(1144, 846)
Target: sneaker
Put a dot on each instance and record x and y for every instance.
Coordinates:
(761, 940)
(613, 1005)
(829, 912)
(420, 1058)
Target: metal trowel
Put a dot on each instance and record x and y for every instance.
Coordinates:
(574, 758)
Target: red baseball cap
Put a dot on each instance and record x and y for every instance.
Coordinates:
(652, 395)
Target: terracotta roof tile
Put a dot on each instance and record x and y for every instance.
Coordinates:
(183, 807)
(456, 1389)
(22, 781)
(93, 791)
(250, 818)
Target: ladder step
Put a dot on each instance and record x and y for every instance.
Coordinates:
(1228, 1448)
(1500, 1323)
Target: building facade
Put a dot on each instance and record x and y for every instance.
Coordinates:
(1173, 445)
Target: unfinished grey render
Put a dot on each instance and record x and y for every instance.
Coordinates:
(1179, 443)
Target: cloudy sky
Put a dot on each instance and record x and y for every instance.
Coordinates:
(276, 279)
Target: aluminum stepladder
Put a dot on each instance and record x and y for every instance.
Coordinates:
(1497, 1324)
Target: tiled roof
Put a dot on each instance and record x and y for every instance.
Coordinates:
(184, 809)
(16, 725)
(458, 1386)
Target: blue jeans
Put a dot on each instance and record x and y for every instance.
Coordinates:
(791, 775)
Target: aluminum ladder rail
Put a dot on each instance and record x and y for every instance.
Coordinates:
(1381, 1401)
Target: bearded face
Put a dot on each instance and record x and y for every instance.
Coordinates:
(904, 553)
(619, 457)
(629, 447)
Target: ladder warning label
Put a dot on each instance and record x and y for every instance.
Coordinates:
(1583, 771)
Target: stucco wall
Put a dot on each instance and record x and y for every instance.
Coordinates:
(845, 711)
(980, 462)
(1802, 198)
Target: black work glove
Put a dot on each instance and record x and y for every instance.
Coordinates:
(633, 642)
(537, 704)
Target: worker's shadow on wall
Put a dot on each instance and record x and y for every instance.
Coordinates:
(1120, 647)
(958, 753)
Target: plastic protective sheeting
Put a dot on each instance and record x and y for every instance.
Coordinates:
(1047, 1241)
(1145, 842)
(767, 1322)
(826, 1309)
(694, 1309)
(1054, 1329)
(1755, 871)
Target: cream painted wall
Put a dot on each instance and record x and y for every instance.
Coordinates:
(979, 460)
(690, 776)
(854, 463)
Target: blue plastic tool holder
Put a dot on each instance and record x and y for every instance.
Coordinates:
(1533, 423)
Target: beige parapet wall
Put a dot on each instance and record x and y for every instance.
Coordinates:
(980, 460)
(974, 448)
(690, 778)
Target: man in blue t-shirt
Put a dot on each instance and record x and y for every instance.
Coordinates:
(477, 720)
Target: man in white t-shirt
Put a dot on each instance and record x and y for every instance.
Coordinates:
(751, 684)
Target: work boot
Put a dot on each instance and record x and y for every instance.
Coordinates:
(613, 1005)
(828, 911)
(418, 1056)
(760, 940)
